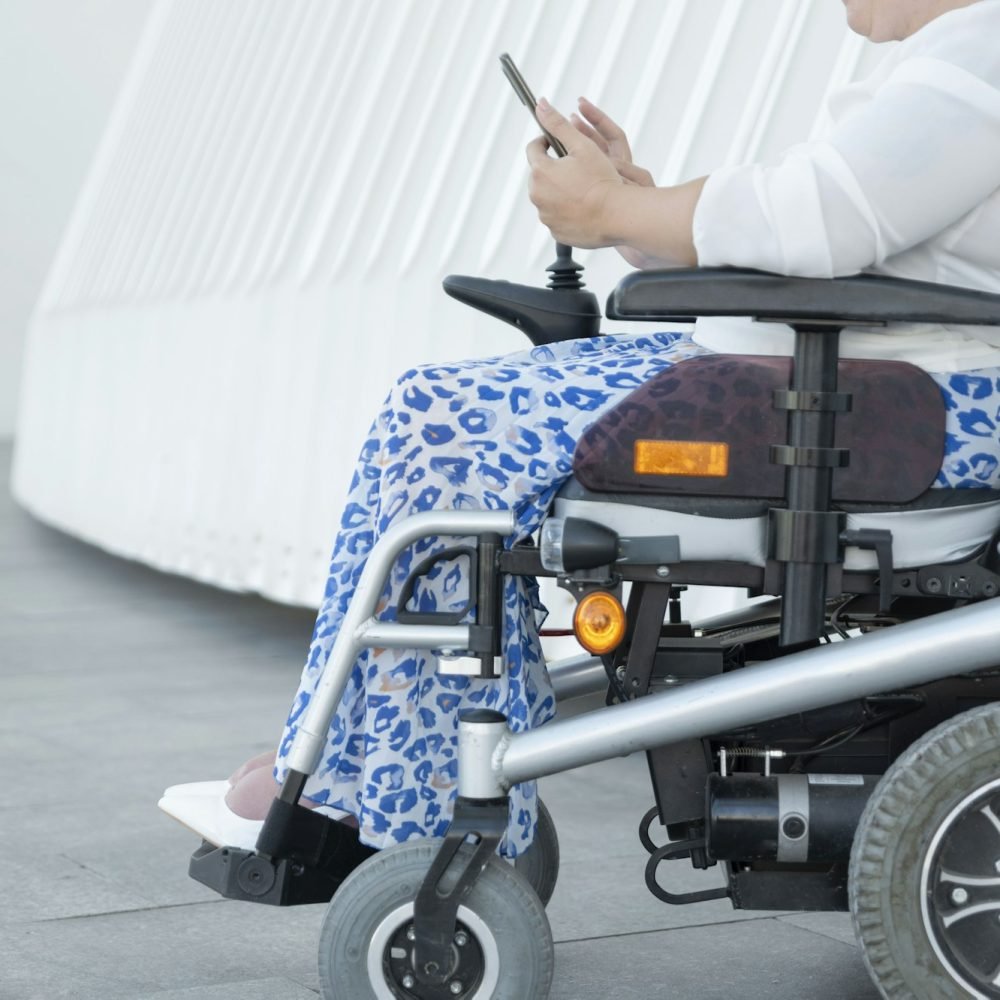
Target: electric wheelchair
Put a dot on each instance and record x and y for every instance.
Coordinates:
(834, 745)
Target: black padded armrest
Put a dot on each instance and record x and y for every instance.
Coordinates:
(678, 296)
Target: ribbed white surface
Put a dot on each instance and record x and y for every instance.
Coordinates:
(259, 247)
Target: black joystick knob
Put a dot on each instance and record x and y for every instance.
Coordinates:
(565, 272)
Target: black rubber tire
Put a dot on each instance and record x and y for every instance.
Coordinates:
(500, 901)
(896, 831)
(539, 865)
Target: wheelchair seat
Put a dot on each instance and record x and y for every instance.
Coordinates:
(940, 526)
(889, 443)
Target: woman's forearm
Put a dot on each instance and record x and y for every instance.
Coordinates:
(584, 200)
(656, 222)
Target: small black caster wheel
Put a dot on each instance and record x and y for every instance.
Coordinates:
(925, 868)
(502, 949)
(539, 865)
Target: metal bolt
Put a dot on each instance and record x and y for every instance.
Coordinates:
(933, 585)
(409, 982)
(456, 987)
(411, 933)
(663, 572)
(959, 897)
(461, 939)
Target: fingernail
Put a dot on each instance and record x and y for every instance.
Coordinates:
(544, 104)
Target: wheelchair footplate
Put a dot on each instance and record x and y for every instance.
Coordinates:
(301, 857)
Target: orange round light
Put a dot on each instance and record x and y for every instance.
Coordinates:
(599, 622)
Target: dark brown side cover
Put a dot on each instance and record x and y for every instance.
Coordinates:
(894, 431)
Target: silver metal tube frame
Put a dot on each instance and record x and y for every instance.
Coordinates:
(576, 676)
(949, 643)
(359, 628)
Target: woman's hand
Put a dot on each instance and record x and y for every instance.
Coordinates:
(589, 200)
(611, 139)
(571, 193)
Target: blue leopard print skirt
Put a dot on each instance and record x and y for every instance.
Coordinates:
(497, 433)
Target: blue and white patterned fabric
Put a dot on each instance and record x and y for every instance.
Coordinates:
(972, 449)
(497, 433)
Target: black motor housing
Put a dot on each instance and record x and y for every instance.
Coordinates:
(791, 818)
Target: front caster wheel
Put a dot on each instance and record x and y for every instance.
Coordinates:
(502, 948)
(925, 868)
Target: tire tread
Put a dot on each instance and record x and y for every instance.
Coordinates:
(902, 788)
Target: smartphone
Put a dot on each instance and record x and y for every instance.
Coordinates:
(523, 91)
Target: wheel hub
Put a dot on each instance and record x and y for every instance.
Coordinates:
(465, 974)
(960, 892)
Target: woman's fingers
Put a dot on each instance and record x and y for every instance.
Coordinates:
(634, 174)
(584, 129)
(609, 130)
(555, 124)
(537, 150)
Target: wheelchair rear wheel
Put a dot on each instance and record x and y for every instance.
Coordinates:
(502, 950)
(925, 867)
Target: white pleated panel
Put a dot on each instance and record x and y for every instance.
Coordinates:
(259, 245)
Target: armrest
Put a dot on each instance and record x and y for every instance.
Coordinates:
(864, 300)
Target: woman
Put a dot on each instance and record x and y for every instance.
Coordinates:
(906, 183)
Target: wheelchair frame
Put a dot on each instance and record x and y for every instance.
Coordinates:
(292, 863)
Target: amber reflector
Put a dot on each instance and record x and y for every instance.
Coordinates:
(681, 458)
(599, 622)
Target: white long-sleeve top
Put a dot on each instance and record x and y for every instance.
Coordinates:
(905, 182)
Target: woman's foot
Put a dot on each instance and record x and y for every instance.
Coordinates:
(265, 759)
(227, 813)
(220, 787)
(210, 817)
(231, 813)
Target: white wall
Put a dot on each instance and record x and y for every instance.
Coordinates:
(61, 65)
(258, 248)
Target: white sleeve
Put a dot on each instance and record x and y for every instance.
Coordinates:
(919, 157)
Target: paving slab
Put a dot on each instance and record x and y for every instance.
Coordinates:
(752, 960)
(834, 925)
(125, 956)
